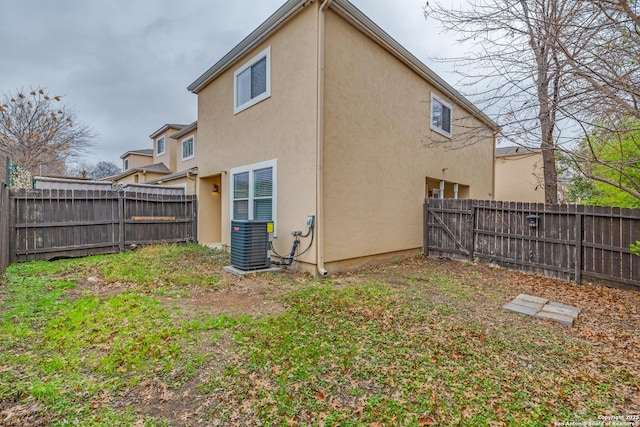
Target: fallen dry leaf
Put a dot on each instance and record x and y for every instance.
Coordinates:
(426, 421)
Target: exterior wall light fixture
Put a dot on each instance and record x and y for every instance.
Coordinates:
(533, 220)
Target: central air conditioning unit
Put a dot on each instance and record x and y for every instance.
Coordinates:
(250, 244)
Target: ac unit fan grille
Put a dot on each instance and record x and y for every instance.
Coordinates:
(250, 245)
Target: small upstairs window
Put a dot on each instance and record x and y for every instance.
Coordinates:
(441, 116)
(160, 146)
(187, 148)
(126, 164)
(253, 81)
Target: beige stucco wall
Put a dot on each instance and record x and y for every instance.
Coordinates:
(379, 149)
(139, 178)
(137, 161)
(281, 128)
(520, 178)
(210, 210)
(170, 156)
(189, 183)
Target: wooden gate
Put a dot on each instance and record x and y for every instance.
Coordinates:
(449, 229)
(571, 242)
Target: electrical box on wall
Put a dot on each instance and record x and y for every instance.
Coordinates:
(311, 221)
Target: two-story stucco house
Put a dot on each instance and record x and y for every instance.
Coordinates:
(320, 112)
(171, 161)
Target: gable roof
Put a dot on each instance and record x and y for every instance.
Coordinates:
(160, 168)
(166, 128)
(171, 177)
(515, 150)
(145, 152)
(359, 20)
(185, 130)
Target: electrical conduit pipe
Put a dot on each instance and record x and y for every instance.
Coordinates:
(320, 144)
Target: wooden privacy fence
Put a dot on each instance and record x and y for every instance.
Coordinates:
(4, 227)
(572, 242)
(48, 224)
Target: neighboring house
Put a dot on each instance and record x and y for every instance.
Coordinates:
(164, 147)
(320, 112)
(139, 175)
(136, 159)
(184, 152)
(171, 161)
(519, 175)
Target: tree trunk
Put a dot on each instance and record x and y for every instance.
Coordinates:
(547, 145)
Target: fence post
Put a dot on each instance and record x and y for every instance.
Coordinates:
(194, 218)
(5, 245)
(472, 207)
(425, 228)
(121, 220)
(579, 234)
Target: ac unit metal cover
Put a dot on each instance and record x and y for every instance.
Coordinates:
(250, 245)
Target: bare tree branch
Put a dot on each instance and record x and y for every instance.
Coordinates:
(39, 133)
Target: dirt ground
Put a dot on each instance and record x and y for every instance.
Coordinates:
(609, 318)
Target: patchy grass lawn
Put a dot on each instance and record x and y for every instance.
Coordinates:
(162, 337)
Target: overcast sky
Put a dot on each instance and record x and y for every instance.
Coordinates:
(125, 65)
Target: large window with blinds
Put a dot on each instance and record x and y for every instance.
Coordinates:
(253, 192)
(253, 81)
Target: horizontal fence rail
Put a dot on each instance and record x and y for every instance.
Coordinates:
(50, 224)
(572, 242)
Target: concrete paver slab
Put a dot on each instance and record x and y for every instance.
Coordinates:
(525, 303)
(565, 320)
(516, 308)
(548, 308)
(576, 311)
(542, 308)
(532, 298)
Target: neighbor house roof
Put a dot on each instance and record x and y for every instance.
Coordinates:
(154, 168)
(165, 128)
(359, 20)
(515, 150)
(171, 177)
(185, 130)
(145, 152)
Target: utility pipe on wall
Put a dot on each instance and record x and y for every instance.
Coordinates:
(320, 144)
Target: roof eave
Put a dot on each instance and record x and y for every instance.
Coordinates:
(135, 153)
(268, 27)
(353, 15)
(185, 130)
(166, 128)
(177, 175)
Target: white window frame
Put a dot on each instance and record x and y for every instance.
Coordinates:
(273, 164)
(126, 164)
(264, 95)
(193, 147)
(164, 146)
(441, 131)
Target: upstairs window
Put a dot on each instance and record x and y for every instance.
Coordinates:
(441, 116)
(187, 148)
(253, 81)
(160, 146)
(126, 164)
